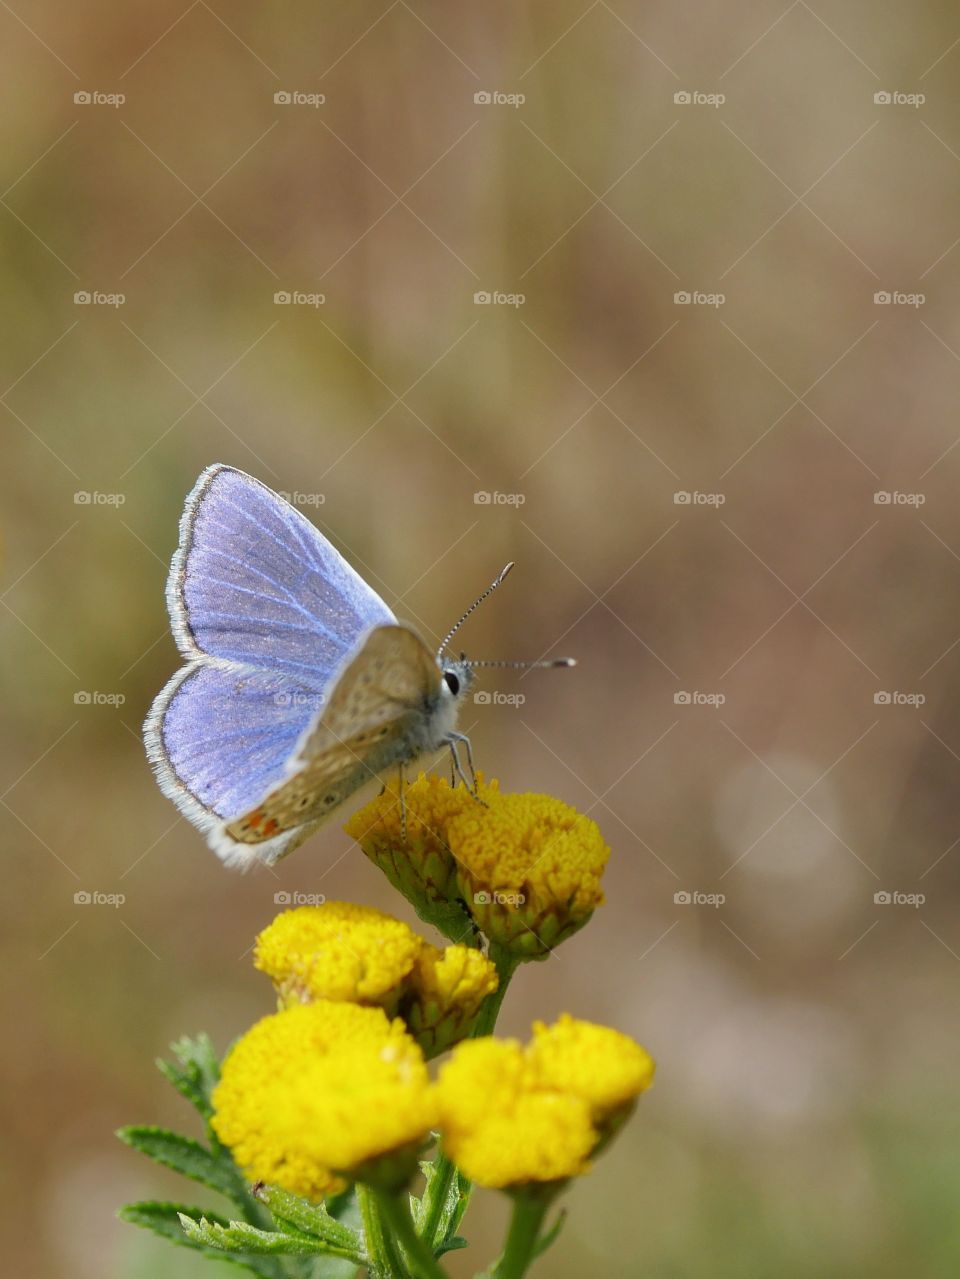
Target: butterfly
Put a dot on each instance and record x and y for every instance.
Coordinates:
(299, 684)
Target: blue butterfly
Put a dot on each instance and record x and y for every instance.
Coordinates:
(299, 684)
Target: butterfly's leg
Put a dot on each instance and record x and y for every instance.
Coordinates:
(462, 737)
(452, 741)
(403, 805)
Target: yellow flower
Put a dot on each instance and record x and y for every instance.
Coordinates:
(530, 868)
(606, 1068)
(527, 867)
(445, 991)
(512, 1115)
(421, 866)
(337, 951)
(340, 951)
(322, 1092)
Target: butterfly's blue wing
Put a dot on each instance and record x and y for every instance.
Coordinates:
(267, 612)
(221, 735)
(253, 581)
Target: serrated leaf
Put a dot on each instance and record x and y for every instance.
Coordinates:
(163, 1219)
(196, 1072)
(302, 1217)
(240, 1236)
(452, 1244)
(186, 1156)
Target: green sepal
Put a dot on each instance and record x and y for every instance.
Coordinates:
(187, 1157)
(163, 1219)
(452, 1244)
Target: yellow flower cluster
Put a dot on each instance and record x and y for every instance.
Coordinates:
(321, 1093)
(512, 1115)
(527, 867)
(340, 951)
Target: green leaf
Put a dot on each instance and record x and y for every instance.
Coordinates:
(299, 1216)
(163, 1219)
(550, 1236)
(186, 1156)
(196, 1073)
(452, 1244)
(240, 1236)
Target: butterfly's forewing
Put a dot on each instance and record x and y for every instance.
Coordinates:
(267, 611)
(253, 581)
(371, 720)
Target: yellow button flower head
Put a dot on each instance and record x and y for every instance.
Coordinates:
(529, 868)
(422, 866)
(445, 991)
(322, 1092)
(513, 1116)
(338, 951)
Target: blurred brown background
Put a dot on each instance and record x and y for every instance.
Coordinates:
(804, 1120)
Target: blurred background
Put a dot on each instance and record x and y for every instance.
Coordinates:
(660, 302)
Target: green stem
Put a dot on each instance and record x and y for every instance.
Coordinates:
(444, 1172)
(506, 964)
(525, 1224)
(395, 1212)
(381, 1248)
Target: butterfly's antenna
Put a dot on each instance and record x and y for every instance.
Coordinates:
(529, 666)
(476, 604)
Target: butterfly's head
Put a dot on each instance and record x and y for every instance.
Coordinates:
(456, 677)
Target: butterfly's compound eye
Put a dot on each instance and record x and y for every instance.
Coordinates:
(452, 681)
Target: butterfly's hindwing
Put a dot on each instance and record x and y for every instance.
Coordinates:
(377, 716)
